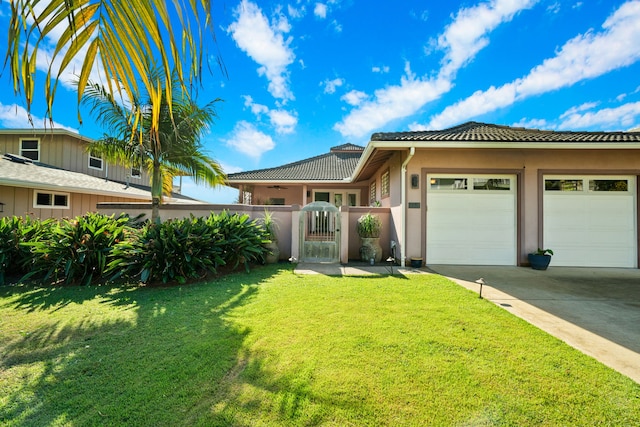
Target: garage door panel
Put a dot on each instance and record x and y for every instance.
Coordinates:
(471, 227)
(591, 229)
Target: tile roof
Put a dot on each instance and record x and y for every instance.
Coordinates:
(483, 132)
(42, 176)
(336, 165)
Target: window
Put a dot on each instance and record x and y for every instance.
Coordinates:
(385, 184)
(372, 193)
(321, 196)
(135, 172)
(588, 185)
(246, 197)
(30, 148)
(563, 185)
(471, 183)
(51, 200)
(608, 185)
(95, 161)
(338, 197)
(448, 183)
(276, 201)
(500, 184)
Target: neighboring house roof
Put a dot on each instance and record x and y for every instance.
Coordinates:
(337, 165)
(474, 131)
(44, 177)
(22, 172)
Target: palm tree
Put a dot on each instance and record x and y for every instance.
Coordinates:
(173, 149)
(113, 38)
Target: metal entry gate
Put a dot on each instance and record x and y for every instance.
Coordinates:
(320, 233)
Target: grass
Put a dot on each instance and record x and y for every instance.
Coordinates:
(271, 348)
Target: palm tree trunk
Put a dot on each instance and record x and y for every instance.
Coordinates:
(156, 191)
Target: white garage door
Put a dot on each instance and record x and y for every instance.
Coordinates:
(590, 221)
(471, 219)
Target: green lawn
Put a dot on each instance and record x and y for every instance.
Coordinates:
(271, 348)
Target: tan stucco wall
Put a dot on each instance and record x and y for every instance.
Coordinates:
(287, 218)
(529, 163)
(281, 215)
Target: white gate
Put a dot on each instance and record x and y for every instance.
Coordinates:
(320, 233)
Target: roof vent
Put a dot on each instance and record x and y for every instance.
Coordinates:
(17, 159)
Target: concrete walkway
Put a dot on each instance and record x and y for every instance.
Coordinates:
(353, 269)
(595, 310)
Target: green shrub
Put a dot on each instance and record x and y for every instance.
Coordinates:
(76, 250)
(15, 257)
(174, 250)
(241, 238)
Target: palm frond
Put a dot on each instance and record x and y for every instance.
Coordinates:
(114, 39)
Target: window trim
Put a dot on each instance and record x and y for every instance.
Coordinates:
(586, 184)
(332, 195)
(53, 194)
(92, 157)
(466, 183)
(37, 150)
(385, 187)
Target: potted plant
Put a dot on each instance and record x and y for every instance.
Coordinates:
(540, 259)
(368, 229)
(270, 228)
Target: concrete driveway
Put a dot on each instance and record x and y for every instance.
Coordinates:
(596, 310)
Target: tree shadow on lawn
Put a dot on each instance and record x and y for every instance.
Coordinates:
(126, 356)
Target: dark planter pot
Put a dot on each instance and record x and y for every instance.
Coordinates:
(539, 262)
(416, 262)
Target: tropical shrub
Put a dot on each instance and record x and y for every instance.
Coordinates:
(174, 250)
(76, 250)
(15, 257)
(241, 238)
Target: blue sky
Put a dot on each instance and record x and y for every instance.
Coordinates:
(304, 76)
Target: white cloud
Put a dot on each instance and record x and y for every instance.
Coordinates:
(532, 124)
(248, 140)
(227, 168)
(266, 45)
(391, 103)
(554, 8)
(15, 116)
(622, 117)
(461, 41)
(577, 109)
(296, 13)
(383, 70)
(421, 16)
(283, 121)
(331, 85)
(256, 109)
(586, 56)
(478, 103)
(354, 97)
(467, 34)
(320, 10)
(337, 27)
